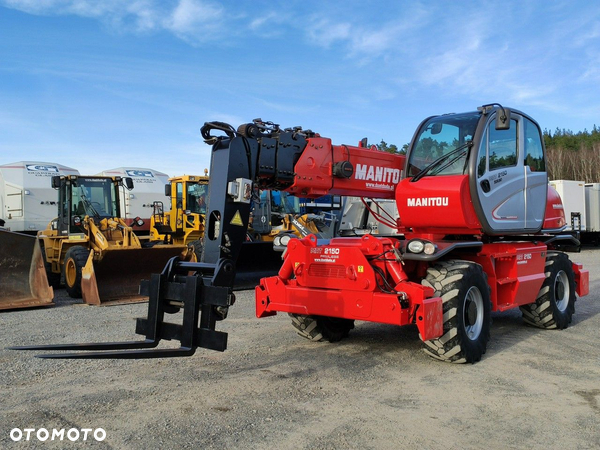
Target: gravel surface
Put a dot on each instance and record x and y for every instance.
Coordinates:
(534, 389)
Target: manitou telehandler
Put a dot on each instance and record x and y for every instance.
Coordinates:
(481, 233)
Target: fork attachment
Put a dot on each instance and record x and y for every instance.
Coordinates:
(181, 285)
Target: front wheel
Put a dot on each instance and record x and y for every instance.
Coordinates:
(75, 260)
(465, 294)
(555, 303)
(321, 328)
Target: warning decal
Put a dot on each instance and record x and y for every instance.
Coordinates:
(237, 219)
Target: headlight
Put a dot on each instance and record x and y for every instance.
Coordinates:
(285, 239)
(420, 246)
(416, 246)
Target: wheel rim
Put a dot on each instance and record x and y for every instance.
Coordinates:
(473, 313)
(70, 272)
(562, 291)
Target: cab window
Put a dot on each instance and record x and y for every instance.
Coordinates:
(534, 154)
(502, 146)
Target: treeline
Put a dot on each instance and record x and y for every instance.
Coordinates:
(573, 156)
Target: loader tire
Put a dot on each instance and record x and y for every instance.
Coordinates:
(555, 303)
(75, 260)
(53, 278)
(465, 294)
(321, 328)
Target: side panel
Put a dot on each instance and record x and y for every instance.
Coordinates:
(515, 272)
(437, 203)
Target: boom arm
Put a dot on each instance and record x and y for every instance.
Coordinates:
(260, 154)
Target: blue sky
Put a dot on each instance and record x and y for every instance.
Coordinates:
(101, 84)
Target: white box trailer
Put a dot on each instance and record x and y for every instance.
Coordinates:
(572, 194)
(592, 206)
(27, 200)
(148, 187)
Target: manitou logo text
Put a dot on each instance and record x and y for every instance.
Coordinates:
(377, 173)
(427, 201)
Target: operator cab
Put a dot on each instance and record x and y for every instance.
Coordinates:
(480, 170)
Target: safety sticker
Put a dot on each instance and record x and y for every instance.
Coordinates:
(237, 219)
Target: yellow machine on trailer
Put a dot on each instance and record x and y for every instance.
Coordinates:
(91, 249)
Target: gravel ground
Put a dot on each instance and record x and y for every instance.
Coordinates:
(534, 388)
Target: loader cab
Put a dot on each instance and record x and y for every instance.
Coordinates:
(96, 197)
(473, 173)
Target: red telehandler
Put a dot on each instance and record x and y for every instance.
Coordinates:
(481, 232)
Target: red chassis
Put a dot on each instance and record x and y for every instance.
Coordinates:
(344, 278)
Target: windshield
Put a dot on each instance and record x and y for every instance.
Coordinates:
(196, 197)
(440, 136)
(94, 197)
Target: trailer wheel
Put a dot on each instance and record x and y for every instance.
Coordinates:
(321, 328)
(75, 259)
(555, 303)
(465, 294)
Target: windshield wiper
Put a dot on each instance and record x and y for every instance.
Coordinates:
(458, 151)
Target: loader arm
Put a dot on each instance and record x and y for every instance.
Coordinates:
(256, 155)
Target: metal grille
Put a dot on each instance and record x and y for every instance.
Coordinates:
(327, 270)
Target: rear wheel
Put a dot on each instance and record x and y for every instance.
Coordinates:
(321, 328)
(555, 303)
(465, 294)
(75, 260)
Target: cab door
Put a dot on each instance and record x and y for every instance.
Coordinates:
(500, 187)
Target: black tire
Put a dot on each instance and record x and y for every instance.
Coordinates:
(53, 278)
(465, 294)
(321, 328)
(555, 303)
(75, 260)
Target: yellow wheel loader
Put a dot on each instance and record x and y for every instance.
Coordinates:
(90, 248)
(184, 223)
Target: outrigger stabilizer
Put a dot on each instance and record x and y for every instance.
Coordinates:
(203, 304)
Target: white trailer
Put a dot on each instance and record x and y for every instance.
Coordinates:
(27, 200)
(148, 187)
(572, 194)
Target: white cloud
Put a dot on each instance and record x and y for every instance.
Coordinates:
(193, 18)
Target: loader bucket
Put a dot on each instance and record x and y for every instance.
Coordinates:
(117, 277)
(23, 281)
(256, 260)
